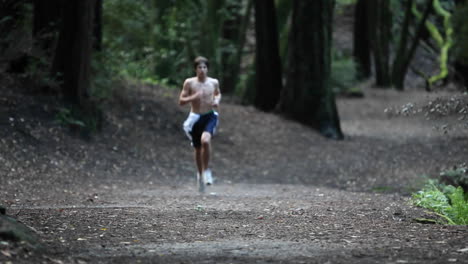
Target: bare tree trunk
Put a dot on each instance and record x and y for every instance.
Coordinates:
(361, 47)
(73, 56)
(234, 30)
(405, 53)
(97, 40)
(308, 96)
(12, 15)
(380, 22)
(268, 64)
(461, 33)
(212, 32)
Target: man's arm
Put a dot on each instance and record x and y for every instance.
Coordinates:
(185, 96)
(217, 94)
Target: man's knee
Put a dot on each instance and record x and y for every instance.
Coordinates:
(206, 139)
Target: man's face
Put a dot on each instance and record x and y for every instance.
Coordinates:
(201, 69)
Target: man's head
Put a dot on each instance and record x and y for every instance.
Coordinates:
(201, 66)
(199, 60)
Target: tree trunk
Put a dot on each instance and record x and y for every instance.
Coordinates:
(361, 47)
(398, 72)
(380, 21)
(308, 95)
(47, 15)
(234, 31)
(211, 32)
(284, 8)
(405, 53)
(46, 22)
(267, 63)
(13, 14)
(97, 31)
(73, 55)
(461, 34)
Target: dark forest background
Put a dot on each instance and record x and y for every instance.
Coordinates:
(277, 55)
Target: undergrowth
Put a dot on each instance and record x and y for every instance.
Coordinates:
(445, 200)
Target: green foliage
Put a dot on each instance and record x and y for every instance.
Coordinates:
(66, 117)
(457, 176)
(346, 2)
(446, 201)
(77, 120)
(342, 5)
(343, 74)
(158, 39)
(127, 25)
(106, 76)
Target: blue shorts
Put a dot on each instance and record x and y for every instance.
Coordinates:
(196, 124)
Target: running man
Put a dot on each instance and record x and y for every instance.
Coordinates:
(203, 94)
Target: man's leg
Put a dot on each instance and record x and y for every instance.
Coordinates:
(199, 162)
(206, 149)
(206, 145)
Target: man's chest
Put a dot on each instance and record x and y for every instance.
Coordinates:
(205, 88)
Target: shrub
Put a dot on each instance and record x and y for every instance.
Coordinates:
(446, 201)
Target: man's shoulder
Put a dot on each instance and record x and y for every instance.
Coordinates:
(213, 80)
(189, 80)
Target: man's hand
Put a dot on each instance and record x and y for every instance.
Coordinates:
(184, 99)
(216, 100)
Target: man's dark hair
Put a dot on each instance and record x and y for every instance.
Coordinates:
(199, 60)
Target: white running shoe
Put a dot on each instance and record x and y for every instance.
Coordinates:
(201, 183)
(208, 177)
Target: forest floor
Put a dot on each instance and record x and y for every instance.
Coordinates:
(283, 193)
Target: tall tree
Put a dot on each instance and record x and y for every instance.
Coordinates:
(308, 96)
(461, 42)
(73, 55)
(361, 42)
(97, 31)
(234, 32)
(13, 14)
(46, 23)
(212, 30)
(267, 59)
(378, 17)
(407, 48)
(380, 20)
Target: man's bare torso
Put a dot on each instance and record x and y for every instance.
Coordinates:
(207, 89)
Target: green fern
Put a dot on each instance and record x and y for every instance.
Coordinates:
(445, 201)
(458, 211)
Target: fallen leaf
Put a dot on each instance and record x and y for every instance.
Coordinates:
(6, 253)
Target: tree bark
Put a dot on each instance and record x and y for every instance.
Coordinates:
(380, 21)
(12, 16)
(234, 31)
(398, 71)
(46, 23)
(361, 42)
(97, 31)
(267, 63)
(461, 33)
(405, 54)
(73, 55)
(308, 96)
(212, 32)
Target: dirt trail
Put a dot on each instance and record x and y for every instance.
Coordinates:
(283, 194)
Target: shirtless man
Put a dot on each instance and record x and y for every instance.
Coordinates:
(202, 92)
